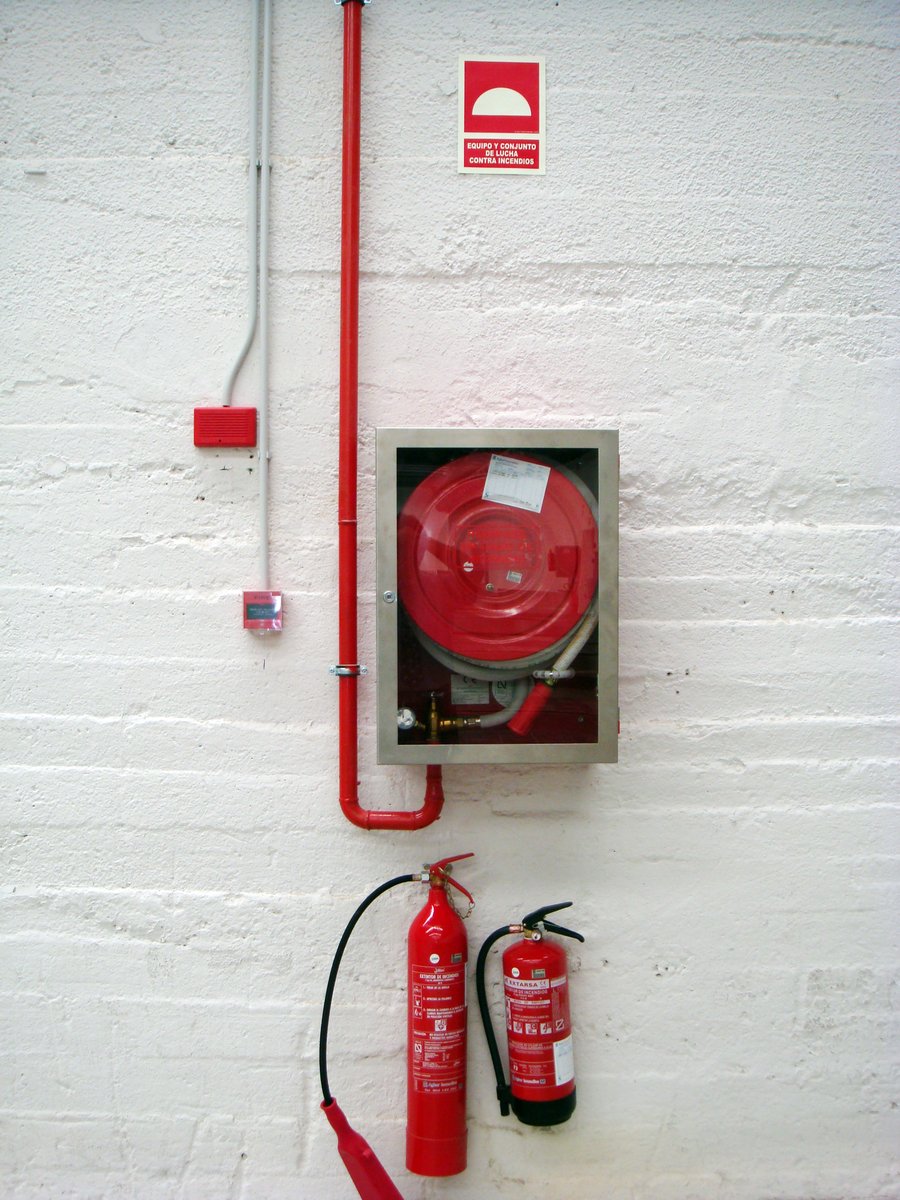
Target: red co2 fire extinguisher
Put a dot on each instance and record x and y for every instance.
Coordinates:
(541, 1090)
(436, 1032)
(436, 1041)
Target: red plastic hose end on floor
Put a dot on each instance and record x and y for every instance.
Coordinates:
(371, 1179)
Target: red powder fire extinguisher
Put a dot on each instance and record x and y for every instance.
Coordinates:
(436, 1040)
(541, 1090)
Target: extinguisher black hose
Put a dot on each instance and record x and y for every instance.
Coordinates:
(335, 967)
(503, 1089)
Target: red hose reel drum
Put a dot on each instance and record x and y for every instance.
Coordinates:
(488, 581)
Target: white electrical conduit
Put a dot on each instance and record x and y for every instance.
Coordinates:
(258, 267)
(265, 171)
(252, 218)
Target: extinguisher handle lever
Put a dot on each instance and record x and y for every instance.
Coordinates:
(459, 887)
(445, 862)
(552, 927)
(539, 917)
(536, 917)
(441, 870)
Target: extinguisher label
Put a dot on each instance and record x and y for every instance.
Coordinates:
(564, 1060)
(539, 1033)
(438, 997)
(525, 986)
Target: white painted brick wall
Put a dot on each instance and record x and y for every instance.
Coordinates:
(708, 266)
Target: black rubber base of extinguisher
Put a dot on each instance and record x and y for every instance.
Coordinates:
(543, 1112)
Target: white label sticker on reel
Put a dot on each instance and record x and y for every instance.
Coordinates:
(516, 483)
(466, 690)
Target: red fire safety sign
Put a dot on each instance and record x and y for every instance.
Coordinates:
(501, 115)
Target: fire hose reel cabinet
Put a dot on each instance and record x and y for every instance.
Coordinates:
(497, 579)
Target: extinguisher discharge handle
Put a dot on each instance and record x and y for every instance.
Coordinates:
(552, 927)
(442, 863)
(539, 917)
(440, 872)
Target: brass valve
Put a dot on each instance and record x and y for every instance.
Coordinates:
(438, 724)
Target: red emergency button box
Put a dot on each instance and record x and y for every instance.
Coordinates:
(263, 612)
(225, 426)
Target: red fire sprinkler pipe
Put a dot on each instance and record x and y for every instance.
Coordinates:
(348, 669)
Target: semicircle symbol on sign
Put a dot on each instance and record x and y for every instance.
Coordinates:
(501, 102)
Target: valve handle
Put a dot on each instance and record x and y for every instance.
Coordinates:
(539, 917)
(551, 927)
(442, 870)
(443, 862)
(539, 913)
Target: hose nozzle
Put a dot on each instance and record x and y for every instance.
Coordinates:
(371, 1179)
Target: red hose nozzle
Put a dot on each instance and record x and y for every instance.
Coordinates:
(530, 710)
(371, 1179)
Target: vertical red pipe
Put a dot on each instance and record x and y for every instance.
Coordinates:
(348, 704)
(349, 385)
